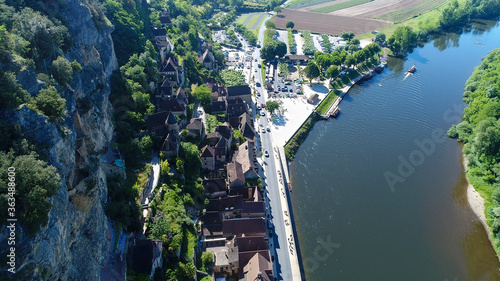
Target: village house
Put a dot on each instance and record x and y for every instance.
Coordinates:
(226, 258)
(170, 147)
(215, 188)
(244, 123)
(196, 128)
(247, 158)
(207, 158)
(235, 175)
(244, 92)
(165, 18)
(235, 107)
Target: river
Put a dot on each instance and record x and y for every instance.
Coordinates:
(380, 192)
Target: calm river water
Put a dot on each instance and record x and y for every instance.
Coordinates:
(352, 223)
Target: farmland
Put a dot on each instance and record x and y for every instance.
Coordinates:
(326, 23)
(340, 6)
(412, 11)
(300, 4)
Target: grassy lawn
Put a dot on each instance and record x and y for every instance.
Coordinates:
(344, 80)
(253, 20)
(298, 138)
(297, 4)
(413, 11)
(340, 6)
(327, 101)
(188, 244)
(242, 18)
(424, 20)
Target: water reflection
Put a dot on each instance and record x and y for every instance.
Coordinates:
(446, 40)
(482, 264)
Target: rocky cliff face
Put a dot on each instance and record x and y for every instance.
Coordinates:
(73, 246)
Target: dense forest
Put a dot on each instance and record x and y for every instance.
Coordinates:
(480, 134)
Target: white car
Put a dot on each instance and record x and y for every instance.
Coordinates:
(266, 153)
(262, 113)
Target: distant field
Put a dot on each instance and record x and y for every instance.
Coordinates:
(242, 18)
(412, 11)
(326, 23)
(340, 6)
(299, 4)
(252, 21)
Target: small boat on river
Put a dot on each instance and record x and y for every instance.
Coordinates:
(412, 69)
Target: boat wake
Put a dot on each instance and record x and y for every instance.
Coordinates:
(407, 75)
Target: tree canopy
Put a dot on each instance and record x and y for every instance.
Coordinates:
(290, 24)
(271, 50)
(311, 71)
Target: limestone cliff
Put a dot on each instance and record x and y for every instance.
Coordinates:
(73, 246)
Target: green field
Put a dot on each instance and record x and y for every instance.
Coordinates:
(327, 101)
(253, 19)
(340, 6)
(297, 4)
(242, 18)
(413, 11)
(425, 19)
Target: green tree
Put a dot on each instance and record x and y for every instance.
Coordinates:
(50, 103)
(11, 92)
(164, 169)
(380, 38)
(347, 36)
(188, 270)
(36, 181)
(270, 50)
(272, 106)
(349, 60)
(179, 164)
(283, 67)
(62, 71)
(404, 39)
(203, 94)
(207, 258)
(278, 9)
(311, 71)
(270, 24)
(238, 136)
(160, 230)
(332, 71)
(290, 24)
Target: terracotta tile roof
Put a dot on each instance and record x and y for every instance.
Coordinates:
(207, 151)
(156, 123)
(235, 174)
(235, 91)
(195, 124)
(214, 185)
(251, 243)
(247, 227)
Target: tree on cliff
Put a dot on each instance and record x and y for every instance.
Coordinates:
(35, 181)
(50, 103)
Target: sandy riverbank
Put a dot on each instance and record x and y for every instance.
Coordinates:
(476, 203)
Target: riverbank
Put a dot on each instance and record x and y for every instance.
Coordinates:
(477, 203)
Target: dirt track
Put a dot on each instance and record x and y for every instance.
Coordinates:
(375, 8)
(327, 23)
